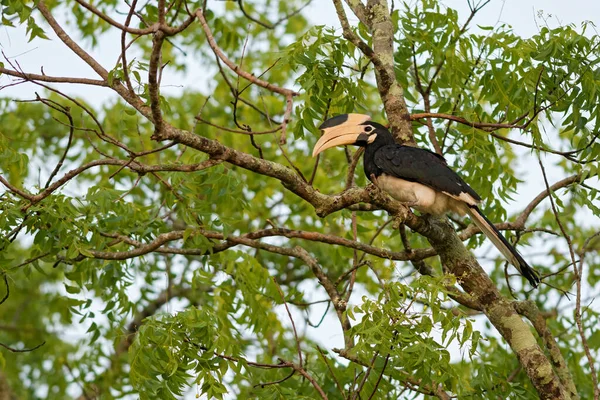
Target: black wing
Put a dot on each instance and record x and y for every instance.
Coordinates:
(423, 166)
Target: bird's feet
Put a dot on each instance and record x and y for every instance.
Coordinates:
(397, 222)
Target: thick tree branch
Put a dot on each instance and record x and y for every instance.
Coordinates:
(100, 70)
(533, 314)
(392, 94)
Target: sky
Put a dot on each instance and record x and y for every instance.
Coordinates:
(522, 15)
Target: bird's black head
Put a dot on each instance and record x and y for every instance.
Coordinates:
(353, 129)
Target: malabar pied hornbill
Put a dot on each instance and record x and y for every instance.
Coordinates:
(416, 177)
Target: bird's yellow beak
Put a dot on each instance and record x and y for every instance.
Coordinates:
(340, 130)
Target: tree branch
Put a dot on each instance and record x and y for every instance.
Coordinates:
(359, 9)
(131, 98)
(352, 37)
(52, 79)
(391, 92)
(235, 68)
(116, 24)
(153, 81)
(100, 70)
(530, 310)
(274, 24)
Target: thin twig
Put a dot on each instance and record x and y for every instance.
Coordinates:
(235, 68)
(274, 24)
(7, 288)
(262, 385)
(124, 47)
(331, 373)
(387, 358)
(240, 132)
(65, 111)
(287, 309)
(22, 350)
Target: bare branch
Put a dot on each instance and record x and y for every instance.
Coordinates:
(124, 47)
(5, 277)
(13, 350)
(274, 24)
(133, 165)
(15, 189)
(235, 68)
(332, 374)
(116, 24)
(240, 132)
(52, 79)
(308, 377)
(291, 320)
(100, 70)
(66, 111)
(278, 381)
(486, 126)
(520, 221)
(426, 100)
(131, 98)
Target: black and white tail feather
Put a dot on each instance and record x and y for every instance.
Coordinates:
(498, 239)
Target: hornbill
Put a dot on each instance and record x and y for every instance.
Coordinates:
(416, 177)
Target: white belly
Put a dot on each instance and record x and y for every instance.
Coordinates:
(421, 197)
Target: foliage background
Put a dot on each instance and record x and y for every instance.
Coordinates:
(203, 311)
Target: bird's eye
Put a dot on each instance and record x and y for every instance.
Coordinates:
(368, 128)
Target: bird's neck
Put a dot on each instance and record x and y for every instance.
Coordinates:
(383, 139)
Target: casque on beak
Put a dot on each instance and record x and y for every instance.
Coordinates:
(340, 130)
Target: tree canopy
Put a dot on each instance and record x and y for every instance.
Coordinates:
(174, 242)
